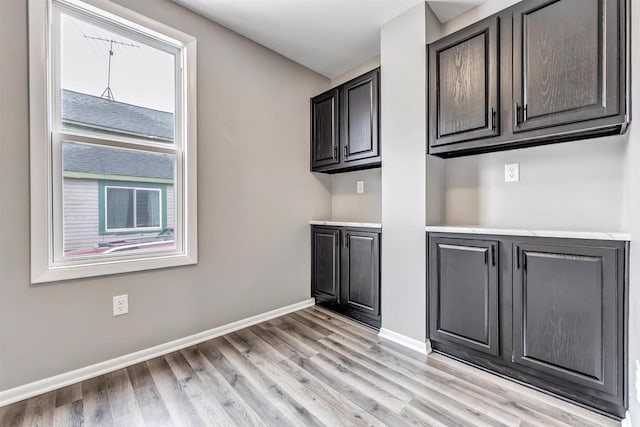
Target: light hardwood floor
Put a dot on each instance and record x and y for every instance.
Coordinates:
(309, 368)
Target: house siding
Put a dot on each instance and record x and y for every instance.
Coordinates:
(81, 219)
(171, 202)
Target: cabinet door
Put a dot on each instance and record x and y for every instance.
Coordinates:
(464, 76)
(360, 284)
(360, 117)
(565, 62)
(565, 308)
(325, 263)
(324, 130)
(463, 293)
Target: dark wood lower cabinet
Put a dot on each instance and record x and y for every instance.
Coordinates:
(465, 294)
(556, 309)
(345, 271)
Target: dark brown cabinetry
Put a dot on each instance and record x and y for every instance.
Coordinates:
(464, 292)
(547, 312)
(345, 271)
(565, 314)
(325, 277)
(464, 89)
(325, 141)
(565, 62)
(557, 67)
(345, 126)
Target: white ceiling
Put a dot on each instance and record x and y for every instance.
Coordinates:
(328, 36)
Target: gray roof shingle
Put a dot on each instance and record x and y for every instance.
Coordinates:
(111, 161)
(82, 109)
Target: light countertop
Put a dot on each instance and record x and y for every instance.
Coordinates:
(568, 234)
(347, 224)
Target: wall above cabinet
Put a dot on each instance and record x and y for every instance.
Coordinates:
(345, 133)
(537, 73)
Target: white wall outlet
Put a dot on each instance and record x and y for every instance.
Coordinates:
(120, 305)
(360, 187)
(512, 172)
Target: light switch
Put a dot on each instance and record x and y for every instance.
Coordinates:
(360, 187)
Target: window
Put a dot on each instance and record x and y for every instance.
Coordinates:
(129, 209)
(113, 141)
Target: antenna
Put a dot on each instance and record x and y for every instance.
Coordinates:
(108, 93)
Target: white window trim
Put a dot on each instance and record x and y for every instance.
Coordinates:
(47, 262)
(135, 228)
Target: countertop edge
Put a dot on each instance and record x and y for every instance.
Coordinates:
(568, 234)
(346, 224)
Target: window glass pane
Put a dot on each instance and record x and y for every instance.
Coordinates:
(119, 208)
(147, 208)
(116, 201)
(113, 84)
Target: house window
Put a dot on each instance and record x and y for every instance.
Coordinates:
(129, 209)
(113, 141)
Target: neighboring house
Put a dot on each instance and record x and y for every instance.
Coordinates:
(111, 193)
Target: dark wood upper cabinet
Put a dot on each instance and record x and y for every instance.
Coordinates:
(465, 74)
(325, 143)
(565, 62)
(565, 313)
(360, 117)
(345, 131)
(551, 71)
(325, 264)
(463, 293)
(360, 284)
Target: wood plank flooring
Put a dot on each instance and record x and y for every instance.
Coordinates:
(309, 368)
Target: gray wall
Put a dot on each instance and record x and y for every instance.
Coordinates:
(346, 204)
(254, 205)
(577, 185)
(403, 58)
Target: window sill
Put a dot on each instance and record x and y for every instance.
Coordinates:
(106, 268)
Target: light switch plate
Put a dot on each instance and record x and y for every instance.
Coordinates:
(360, 187)
(512, 172)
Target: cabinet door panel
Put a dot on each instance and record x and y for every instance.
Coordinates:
(463, 293)
(565, 311)
(464, 79)
(325, 264)
(360, 284)
(565, 69)
(360, 117)
(324, 130)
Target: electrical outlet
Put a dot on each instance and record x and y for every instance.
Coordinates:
(512, 172)
(120, 305)
(360, 187)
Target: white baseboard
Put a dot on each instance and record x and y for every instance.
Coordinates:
(410, 343)
(626, 422)
(26, 391)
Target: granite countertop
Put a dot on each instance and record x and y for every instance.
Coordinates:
(347, 224)
(569, 234)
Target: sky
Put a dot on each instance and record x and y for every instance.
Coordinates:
(140, 75)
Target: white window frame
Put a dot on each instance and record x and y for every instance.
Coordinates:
(48, 263)
(135, 228)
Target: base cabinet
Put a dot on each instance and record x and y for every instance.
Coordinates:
(345, 273)
(547, 312)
